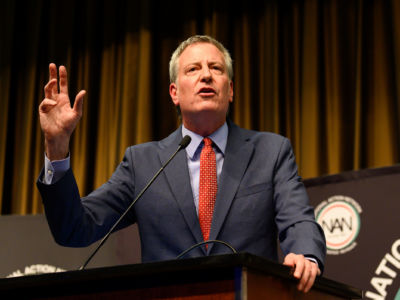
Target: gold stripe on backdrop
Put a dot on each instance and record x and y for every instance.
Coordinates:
(326, 74)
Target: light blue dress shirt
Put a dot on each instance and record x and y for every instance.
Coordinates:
(54, 170)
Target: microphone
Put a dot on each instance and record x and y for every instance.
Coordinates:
(182, 145)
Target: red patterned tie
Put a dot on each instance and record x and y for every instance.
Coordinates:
(208, 187)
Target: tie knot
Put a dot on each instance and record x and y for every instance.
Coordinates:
(207, 142)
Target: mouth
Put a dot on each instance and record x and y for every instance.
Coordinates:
(206, 92)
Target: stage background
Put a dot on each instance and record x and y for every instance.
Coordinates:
(325, 74)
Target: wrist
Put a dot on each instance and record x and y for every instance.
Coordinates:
(56, 149)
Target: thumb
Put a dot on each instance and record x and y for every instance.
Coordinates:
(289, 260)
(46, 105)
(78, 104)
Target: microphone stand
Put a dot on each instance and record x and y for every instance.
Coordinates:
(183, 144)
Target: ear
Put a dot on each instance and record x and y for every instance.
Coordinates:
(173, 92)
(231, 91)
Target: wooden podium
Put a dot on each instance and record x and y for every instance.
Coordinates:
(231, 276)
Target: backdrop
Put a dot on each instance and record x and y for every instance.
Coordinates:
(358, 211)
(326, 74)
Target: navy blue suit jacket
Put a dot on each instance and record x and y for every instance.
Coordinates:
(260, 199)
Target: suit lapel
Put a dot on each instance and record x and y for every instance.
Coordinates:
(178, 177)
(237, 156)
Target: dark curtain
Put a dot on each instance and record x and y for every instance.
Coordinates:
(326, 74)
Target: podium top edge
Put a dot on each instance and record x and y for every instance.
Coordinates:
(220, 264)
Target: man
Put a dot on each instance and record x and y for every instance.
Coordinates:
(230, 184)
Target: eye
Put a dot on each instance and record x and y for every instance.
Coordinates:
(219, 69)
(191, 69)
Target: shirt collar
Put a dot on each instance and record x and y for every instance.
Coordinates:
(219, 137)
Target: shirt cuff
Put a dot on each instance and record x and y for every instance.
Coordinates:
(312, 259)
(54, 170)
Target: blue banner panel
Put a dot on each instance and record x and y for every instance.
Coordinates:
(359, 212)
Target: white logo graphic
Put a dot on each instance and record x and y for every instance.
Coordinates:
(36, 269)
(339, 217)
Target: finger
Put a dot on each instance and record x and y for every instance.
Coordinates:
(299, 262)
(53, 75)
(49, 88)
(311, 279)
(63, 80)
(46, 105)
(305, 274)
(78, 104)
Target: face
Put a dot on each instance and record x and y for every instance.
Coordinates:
(202, 87)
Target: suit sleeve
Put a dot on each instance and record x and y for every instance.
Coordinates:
(78, 222)
(298, 231)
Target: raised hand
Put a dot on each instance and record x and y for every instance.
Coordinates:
(57, 118)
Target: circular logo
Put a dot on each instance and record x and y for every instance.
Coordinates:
(339, 217)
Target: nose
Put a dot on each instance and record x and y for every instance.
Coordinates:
(206, 74)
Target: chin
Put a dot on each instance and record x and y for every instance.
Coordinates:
(206, 108)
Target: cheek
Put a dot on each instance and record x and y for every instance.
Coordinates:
(228, 92)
(184, 89)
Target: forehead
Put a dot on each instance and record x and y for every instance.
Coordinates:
(199, 52)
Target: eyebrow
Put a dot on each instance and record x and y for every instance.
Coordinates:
(209, 63)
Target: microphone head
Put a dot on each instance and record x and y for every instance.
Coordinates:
(185, 141)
